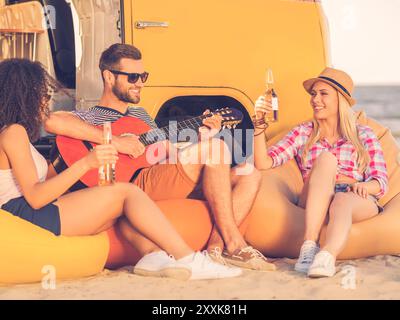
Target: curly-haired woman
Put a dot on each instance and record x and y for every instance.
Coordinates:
(341, 162)
(25, 92)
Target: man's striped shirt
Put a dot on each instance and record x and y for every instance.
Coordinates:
(98, 115)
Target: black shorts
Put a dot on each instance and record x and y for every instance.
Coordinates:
(47, 217)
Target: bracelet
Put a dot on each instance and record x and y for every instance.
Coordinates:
(260, 132)
(264, 128)
(258, 122)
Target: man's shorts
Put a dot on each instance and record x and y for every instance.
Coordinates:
(167, 181)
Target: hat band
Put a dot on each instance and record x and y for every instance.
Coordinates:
(337, 83)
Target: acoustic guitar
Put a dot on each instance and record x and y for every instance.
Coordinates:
(67, 151)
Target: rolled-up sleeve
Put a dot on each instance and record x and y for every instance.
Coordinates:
(286, 149)
(377, 166)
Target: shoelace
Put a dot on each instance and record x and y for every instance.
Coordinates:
(205, 257)
(217, 253)
(254, 253)
(307, 254)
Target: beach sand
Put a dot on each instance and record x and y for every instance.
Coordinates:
(372, 278)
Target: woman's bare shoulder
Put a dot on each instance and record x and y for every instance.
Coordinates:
(13, 134)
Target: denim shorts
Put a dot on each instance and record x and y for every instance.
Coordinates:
(342, 187)
(47, 217)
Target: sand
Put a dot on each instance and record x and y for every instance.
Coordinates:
(372, 278)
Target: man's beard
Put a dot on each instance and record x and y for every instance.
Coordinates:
(124, 96)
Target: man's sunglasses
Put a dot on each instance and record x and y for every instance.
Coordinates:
(133, 77)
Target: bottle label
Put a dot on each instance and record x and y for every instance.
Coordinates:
(106, 175)
(275, 105)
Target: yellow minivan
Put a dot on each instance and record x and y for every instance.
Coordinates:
(200, 54)
(216, 53)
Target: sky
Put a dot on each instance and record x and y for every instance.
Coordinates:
(365, 39)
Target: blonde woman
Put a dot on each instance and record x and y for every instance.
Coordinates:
(341, 162)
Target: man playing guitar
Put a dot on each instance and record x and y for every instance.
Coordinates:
(229, 194)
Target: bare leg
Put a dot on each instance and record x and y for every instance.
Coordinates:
(93, 210)
(318, 193)
(142, 244)
(212, 160)
(346, 208)
(245, 189)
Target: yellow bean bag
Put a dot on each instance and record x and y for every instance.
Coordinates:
(276, 226)
(28, 252)
(26, 249)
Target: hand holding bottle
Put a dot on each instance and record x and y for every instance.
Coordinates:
(267, 105)
(262, 107)
(107, 170)
(101, 155)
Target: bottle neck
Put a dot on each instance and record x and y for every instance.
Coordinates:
(107, 135)
(269, 87)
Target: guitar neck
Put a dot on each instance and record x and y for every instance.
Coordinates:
(164, 133)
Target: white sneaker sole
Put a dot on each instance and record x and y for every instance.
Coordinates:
(173, 273)
(321, 273)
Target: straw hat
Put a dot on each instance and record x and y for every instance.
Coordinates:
(338, 79)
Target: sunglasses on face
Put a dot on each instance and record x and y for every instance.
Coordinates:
(133, 77)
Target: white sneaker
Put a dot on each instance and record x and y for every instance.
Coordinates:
(203, 267)
(323, 265)
(307, 253)
(160, 264)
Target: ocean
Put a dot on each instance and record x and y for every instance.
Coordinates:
(382, 103)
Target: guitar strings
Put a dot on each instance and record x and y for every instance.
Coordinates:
(163, 133)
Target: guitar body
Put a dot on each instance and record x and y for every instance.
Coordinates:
(69, 150)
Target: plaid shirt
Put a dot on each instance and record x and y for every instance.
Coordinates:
(293, 144)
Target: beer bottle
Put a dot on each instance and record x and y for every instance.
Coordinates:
(270, 94)
(107, 171)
